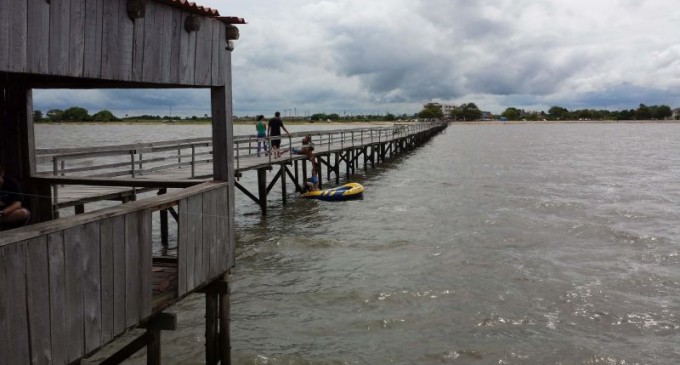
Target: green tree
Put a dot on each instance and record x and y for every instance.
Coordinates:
(431, 110)
(104, 116)
(511, 113)
(390, 117)
(557, 113)
(470, 111)
(76, 113)
(643, 112)
(661, 112)
(37, 116)
(55, 115)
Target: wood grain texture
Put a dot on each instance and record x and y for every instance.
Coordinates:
(132, 274)
(92, 299)
(110, 40)
(16, 320)
(38, 36)
(119, 275)
(204, 53)
(94, 28)
(37, 278)
(57, 282)
(187, 56)
(153, 25)
(74, 277)
(106, 242)
(77, 38)
(59, 37)
(126, 45)
(4, 36)
(18, 25)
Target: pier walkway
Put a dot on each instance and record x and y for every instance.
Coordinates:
(186, 162)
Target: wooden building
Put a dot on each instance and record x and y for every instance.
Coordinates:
(69, 286)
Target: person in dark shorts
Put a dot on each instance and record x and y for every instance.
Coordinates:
(274, 132)
(12, 212)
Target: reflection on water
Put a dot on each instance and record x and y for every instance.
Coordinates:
(504, 244)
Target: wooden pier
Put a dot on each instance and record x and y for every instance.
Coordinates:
(342, 151)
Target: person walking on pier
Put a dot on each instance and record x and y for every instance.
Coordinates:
(12, 213)
(274, 131)
(261, 133)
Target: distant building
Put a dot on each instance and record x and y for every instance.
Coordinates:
(676, 114)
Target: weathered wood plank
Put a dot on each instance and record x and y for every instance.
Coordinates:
(224, 68)
(38, 36)
(203, 53)
(216, 26)
(187, 55)
(146, 263)
(59, 37)
(119, 272)
(138, 49)
(57, 282)
(110, 40)
(221, 134)
(74, 277)
(185, 249)
(94, 27)
(18, 23)
(165, 19)
(92, 286)
(37, 277)
(153, 25)
(224, 226)
(132, 263)
(77, 38)
(4, 35)
(126, 29)
(209, 235)
(16, 321)
(177, 30)
(197, 223)
(106, 232)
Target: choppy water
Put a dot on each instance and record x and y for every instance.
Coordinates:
(491, 244)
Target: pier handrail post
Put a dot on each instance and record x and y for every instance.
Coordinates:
(238, 153)
(193, 160)
(132, 162)
(179, 155)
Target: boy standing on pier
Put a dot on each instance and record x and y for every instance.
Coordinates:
(274, 131)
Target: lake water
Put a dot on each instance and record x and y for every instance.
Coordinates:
(490, 244)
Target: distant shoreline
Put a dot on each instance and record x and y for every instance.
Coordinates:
(497, 122)
(204, 122)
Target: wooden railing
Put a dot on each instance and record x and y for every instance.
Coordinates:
(71, 285)
(134, 160)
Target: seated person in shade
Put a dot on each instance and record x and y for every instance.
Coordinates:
(12, 212)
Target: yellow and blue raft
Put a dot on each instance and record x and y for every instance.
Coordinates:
(344, 192)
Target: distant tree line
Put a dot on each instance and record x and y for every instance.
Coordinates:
(643, 112)
(470, 111)
(360, 117)
(79, 114)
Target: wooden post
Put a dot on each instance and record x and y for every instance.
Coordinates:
(337, 169)
(225, 313)
(164, 221)
(211, 318)
(262, 188)
(283, 183)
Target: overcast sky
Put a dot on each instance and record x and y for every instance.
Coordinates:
(378, 56)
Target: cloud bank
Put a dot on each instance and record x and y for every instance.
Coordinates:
(356, 56)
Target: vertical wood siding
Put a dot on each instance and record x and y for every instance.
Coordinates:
(74, 290)
(97, 39)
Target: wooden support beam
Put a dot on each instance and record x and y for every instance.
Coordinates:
(262, 189)
(129, 349)
(225, 319)
(211, 327)
(282, 173)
